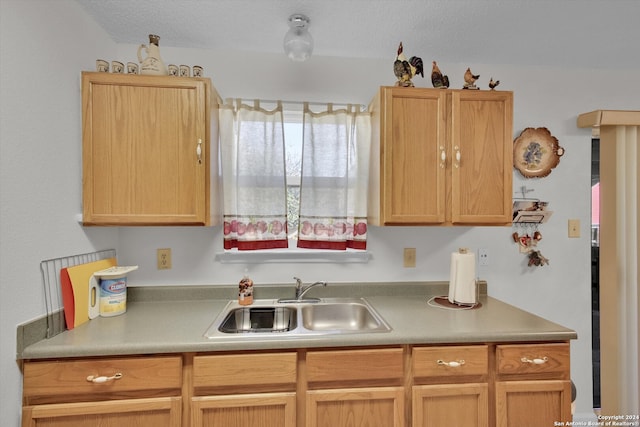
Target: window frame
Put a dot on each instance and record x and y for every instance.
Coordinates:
(293, 253)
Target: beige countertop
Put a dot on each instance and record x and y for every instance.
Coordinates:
(174, 320)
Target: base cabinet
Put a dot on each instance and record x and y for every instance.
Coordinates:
(372, 406)
(244, 389)
(473, 385)
(533, 387)
(452, 405)
(157, 412)
(533, 403)
(355, 387)
(451, 386)
(142, 391)
(255, 410)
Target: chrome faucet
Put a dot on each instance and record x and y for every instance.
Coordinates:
(301, 290)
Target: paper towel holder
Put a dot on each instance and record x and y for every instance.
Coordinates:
(463, 287)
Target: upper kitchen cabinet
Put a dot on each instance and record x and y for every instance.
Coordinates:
(148, 143)
(441, 157)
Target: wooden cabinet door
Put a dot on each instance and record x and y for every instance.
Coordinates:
(481, 157)
(451, 405)
(371, 406)
(413, 167)
(533, 403)
(441, 157)
(154, 412)
(251, 410)
(145, 150)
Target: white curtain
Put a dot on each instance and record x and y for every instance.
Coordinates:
(253, 174)
(333, 189)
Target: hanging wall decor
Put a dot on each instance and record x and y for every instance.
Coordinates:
(536, 152)
(528, 214)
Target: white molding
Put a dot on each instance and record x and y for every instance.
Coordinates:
(293, 256)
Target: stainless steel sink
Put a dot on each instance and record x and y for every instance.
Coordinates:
(271, 318)
(348, 316)
(259, 319)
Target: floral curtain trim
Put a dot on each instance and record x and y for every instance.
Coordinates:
(249, 233)
(329, 233)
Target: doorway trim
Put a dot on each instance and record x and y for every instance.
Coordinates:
(619, 133)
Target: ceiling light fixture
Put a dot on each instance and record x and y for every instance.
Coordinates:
(298, 43)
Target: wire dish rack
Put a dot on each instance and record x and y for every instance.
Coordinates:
(50, 269)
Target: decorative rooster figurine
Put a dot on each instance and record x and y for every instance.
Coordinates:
(405, 70)
(438, 80)
(493, 83)
(470, 79)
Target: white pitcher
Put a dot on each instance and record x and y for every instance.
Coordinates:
(153, 63)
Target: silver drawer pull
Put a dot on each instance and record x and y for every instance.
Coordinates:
(452, 364)
(536, 361)
(103, 379)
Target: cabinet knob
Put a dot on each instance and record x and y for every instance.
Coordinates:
(452, 364)
(443, 157)
(458, 156)
(535, 361)
(199, 151)
(103, 379)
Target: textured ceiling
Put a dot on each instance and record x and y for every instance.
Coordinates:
(574, 33)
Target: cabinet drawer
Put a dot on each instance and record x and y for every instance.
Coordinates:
(244, 370)
(533, 359)
(350, 365)
(450, 361)
(69, 377)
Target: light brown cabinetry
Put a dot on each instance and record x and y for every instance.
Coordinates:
(533, 387)
(525, 385)
(253, 389)
(441, 157)
(464, 405)
(140, 391)
(148, 143)
(477, 385)
(450, 386)
(363, 386)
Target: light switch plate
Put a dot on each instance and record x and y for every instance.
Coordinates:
(574, 228)
(409, 257)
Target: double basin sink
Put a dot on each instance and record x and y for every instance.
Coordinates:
(328, 316)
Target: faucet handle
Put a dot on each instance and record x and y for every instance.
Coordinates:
(298, 282)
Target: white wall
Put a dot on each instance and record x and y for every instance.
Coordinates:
(43, 46)
(46, 44)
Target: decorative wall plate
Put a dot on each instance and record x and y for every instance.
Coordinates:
(536, 152)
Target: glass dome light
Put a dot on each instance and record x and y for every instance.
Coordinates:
(298, 43)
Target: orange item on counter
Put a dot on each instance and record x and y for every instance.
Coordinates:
(245, 291)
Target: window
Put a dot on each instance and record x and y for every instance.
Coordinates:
(269, 155)
(293, 164)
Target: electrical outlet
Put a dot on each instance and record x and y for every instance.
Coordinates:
(164, 259)
(574, 228)
(409, 257)
(483, 257)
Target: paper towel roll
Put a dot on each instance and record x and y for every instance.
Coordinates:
(462, 278)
